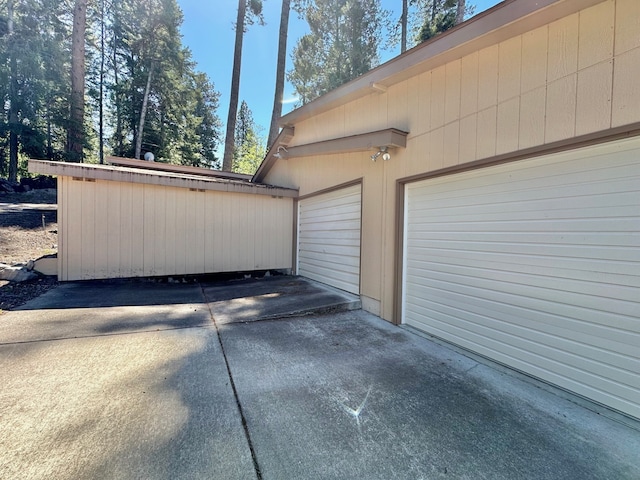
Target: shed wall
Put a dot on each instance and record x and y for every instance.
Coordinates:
(575, 76)
(121, 229)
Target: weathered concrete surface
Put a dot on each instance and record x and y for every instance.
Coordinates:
(129, 380)
(274, 297)
(117, 385)
(350, 396)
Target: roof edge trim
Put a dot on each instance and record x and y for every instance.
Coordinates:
(503, 21)
(83, 171)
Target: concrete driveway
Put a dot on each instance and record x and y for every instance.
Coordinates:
(239, 380)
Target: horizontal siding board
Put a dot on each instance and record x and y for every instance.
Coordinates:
(329, 238)
(535, 264)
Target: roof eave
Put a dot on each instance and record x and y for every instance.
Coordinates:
(84, 171)
(503, 21)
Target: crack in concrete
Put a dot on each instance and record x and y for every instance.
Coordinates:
(245, 425)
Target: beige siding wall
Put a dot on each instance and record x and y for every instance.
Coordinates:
(575, 76)
(117, 229)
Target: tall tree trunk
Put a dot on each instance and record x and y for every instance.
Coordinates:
(49, 133)
(118, 132)
(13, 103)
(280, 67)
(460, 12)
(229, 144)
(143, 113)
(403, 26)
(101, 101)
(76, 123)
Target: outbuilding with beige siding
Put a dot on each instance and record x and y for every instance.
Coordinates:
(507, 220)
(138, 219)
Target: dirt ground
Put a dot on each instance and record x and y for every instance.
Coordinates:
(28, 230)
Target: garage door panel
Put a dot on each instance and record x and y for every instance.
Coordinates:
(566, 360)
(339, 279)
(625, 323)
(601, 271)
(549, 284)
(520, 292)
(529, 224)
(615, 344)
(535, 264)
(348, 212)
(554, 372)
(341, 255)
(536, 202)
(329, 238)
(494, 342)
(620, 328)
(341, 229)
(597, 252)
(340, 246)
(603, 239)
(614, 166)
(338, 270)
(332, 199)
(514, 213)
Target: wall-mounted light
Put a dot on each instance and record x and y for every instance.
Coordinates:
(382, 151)
(278, 154)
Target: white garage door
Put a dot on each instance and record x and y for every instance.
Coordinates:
(535, 264)
(329, 238)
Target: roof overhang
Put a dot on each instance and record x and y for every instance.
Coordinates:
(89, 172)
(272, 156)
(169, 167)
(504, 21)
(389, 138)
(382, 139)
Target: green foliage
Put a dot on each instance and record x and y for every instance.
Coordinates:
(442, 22)
(34, 79)
(181, 123)
(343, 44)
(141, 36)
(436, 16)
(249, 144)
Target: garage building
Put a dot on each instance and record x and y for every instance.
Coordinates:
(506, 216)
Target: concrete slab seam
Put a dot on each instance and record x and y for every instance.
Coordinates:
(76, 337)
(245, 425)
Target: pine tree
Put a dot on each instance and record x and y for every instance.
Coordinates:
(255, 12)
(343, 44)
(280, 71)
(249, 147)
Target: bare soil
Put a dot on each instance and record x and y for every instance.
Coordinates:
(28, 230)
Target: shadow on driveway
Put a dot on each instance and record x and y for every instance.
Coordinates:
(135, 380)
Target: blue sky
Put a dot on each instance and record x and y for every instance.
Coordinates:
(208, 31)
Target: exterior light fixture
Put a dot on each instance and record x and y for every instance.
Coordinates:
(382, 151)
(278, 154)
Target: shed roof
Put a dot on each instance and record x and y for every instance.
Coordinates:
(149, 173)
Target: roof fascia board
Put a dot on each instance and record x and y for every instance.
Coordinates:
(168, 179)
(282, 140)
(168, 167)
(505, 20)
(390, 137)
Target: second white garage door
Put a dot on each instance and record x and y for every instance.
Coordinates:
(535, 264)
(329, 238)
